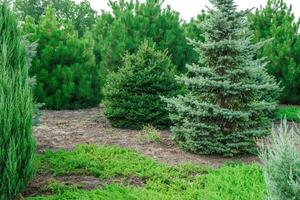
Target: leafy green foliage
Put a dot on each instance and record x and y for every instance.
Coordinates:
(66, 74)
(281, 161)
(290, 113)
(132, 95)
(277, 21)
(17, 145)
(162, 182)
(226, 107)
(131, 23)
(81, 15)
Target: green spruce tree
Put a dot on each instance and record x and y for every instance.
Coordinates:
(130, 23)
(225, 109)
(132, 95)
(17, 145)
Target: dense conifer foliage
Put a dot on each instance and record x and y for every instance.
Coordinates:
(132, 95)
(81, 15)
(66, 74)
(130, 23)
(277, 21)
(226, 108)
(194, 31)
(16, 142)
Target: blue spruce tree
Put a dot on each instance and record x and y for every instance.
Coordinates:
(230, 96)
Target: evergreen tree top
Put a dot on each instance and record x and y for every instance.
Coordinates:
(225, 19)
(228, 41)
(224, 5)
(13, 45)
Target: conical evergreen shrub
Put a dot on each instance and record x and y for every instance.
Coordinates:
(17, 145)
(132, 95)
(231, 96)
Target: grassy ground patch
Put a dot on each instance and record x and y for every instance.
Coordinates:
(231, 182)
(292, 113)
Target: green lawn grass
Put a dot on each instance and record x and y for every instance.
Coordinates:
(161, 182)
(292, 113)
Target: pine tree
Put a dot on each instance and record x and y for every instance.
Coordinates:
(132, 95)
(81, 15)
(130, 23)
(17, 145)
(193, 31)
(278, 22)
(225, 108)
(65, 70)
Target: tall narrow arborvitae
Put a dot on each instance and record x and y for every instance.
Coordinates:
(231, 96)
(17, 145)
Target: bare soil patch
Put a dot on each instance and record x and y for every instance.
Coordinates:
(66, 129)
(39, 185)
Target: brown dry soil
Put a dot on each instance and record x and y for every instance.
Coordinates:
(39, 185)
(66, 129)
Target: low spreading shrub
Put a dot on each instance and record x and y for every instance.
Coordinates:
(235, 182)
(133, 94)
(281, 163)
(160, 181)
(17, 145)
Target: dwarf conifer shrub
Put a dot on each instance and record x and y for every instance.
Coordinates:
(132, 95)
(281, 163)
(226, 107)
(17, 145)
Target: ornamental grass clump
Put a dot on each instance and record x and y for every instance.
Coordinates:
(281, 163)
